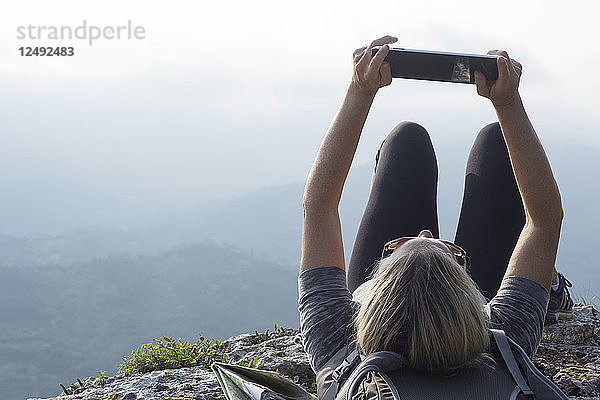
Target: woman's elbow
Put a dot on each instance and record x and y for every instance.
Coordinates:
(550, 217)
(554, 209)
(559, 211)
(317, 204)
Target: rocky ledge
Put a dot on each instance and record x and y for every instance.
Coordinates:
(569, 354)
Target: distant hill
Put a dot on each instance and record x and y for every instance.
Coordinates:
(60, 322)
(77, 246)
(267, 222)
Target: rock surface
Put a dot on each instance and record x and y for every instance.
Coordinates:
(569, 354)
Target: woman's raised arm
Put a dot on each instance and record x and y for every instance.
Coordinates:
(321, 228)
(535, 252)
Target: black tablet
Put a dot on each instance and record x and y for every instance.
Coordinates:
(440, 66)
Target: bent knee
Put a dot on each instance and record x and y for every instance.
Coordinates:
(491, 130)
(490, 137)
(407, 133)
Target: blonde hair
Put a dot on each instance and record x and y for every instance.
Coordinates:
(422, 304)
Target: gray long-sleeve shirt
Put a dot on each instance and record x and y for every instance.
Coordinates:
(327, 312)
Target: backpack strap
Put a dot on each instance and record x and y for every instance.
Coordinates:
(380, 361)
(357, 378)
(511, 363)
(340, 372)
(541, 384)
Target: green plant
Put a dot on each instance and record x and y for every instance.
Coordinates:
(167, 353)
(585, 295)
(588, 301)
(253, 363)
(101, 378)
(294, 379)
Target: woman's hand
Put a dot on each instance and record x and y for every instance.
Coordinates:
(372, 73)
(504, 90)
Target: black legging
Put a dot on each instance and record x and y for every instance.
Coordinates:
(403, 202)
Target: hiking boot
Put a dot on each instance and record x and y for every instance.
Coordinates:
(560, 305)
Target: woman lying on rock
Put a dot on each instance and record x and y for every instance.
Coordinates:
(431, 301)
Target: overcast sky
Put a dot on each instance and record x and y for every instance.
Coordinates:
(221, 98)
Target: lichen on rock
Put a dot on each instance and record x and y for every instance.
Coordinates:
(570, 353)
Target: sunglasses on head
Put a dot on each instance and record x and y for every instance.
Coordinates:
(459, 253)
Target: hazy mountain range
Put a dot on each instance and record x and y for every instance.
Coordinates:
(75, 303)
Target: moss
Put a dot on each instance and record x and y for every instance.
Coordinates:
(167, 353)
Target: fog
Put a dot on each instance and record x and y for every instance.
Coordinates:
(222, 99)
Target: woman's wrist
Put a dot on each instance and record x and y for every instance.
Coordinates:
(358, 92)
(515, 104)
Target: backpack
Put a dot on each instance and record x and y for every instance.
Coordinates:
(383, 375)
